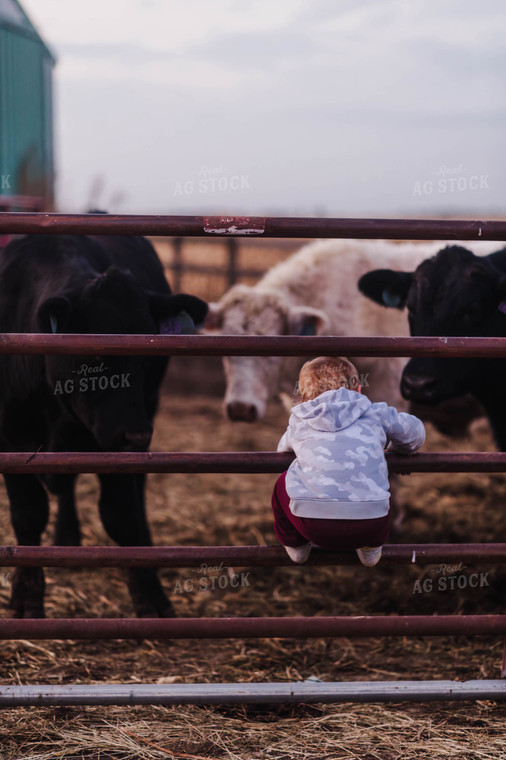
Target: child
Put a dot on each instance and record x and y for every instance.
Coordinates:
(335, 494)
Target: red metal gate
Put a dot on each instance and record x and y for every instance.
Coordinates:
(21, 223)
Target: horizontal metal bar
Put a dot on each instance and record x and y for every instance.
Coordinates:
(210, 557)
(248, 345)
(254, 627)
(249, 693)
(228, 461)
(294, 227)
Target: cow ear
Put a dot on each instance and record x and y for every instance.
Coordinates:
(302, 320)
(386, 287)
(177, 314)
(53, 315)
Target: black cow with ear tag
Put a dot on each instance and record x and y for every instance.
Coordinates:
(78, 284)
(454, 294)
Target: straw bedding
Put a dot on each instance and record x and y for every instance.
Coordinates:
(234, 509)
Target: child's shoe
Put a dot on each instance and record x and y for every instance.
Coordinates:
(298, 554)
(369, 555)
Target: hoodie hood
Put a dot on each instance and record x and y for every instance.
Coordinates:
(331, 411)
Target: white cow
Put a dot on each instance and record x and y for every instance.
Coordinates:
(314, 292)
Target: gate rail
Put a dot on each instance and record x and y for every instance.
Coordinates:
(239, 556)
(239, 345)
(236, 226)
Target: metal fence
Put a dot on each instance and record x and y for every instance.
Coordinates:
(246, 462)
(19, 202)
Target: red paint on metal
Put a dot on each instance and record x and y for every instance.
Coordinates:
(234, 225)
(276, 227)
(228, 461)
(246, 628)
(247, 345)
(238, 556)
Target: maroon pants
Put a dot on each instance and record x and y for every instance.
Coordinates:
(334, 535)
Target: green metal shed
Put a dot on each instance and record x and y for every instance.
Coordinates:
(26, 112)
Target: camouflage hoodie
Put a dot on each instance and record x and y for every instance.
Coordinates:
(340, 469)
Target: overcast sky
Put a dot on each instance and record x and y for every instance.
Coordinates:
(343, 107)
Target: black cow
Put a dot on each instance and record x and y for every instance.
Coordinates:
(77, 284)
(455, 293)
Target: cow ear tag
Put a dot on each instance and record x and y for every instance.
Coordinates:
(502, 307)
(182, 324)
(390, 298)
(54, 323)
(308, 329)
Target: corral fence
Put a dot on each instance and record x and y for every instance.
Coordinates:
(180, 264)
(289, 627)
(210, 266)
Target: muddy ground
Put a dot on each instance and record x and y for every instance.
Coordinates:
(235, 509)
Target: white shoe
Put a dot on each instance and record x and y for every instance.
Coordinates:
(298, 554)
(369, 555)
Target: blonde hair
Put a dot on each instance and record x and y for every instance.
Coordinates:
(326, 373)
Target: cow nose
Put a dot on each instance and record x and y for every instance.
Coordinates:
(136, 441)
(238, 411)
(418, 387)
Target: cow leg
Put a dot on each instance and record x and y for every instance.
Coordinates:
(124, 518)
(29, 514)
(67, 531)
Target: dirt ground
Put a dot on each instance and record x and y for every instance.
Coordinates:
(235, 509)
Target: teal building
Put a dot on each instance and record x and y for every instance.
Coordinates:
(26, 108)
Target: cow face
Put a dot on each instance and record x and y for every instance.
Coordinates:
(113, 397)
(252, 380)
(455, 293)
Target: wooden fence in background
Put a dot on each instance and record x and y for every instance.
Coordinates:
(230, 271)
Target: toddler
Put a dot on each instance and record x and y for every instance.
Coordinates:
(335, 494)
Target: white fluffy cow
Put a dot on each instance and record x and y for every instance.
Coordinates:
(314, 292)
